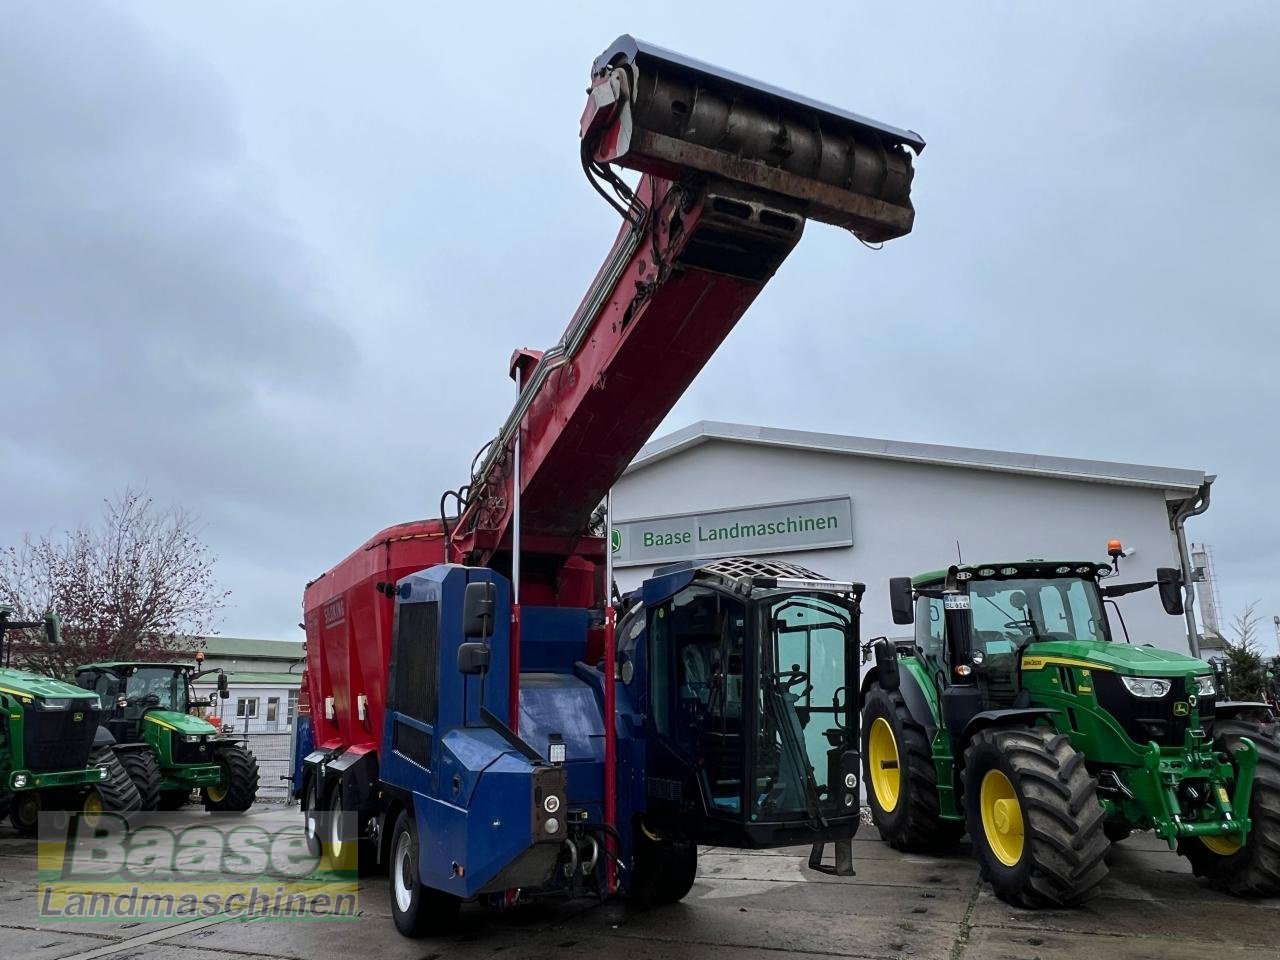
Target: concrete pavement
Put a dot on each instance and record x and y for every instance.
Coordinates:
(744, 905)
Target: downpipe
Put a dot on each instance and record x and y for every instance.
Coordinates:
(1191, 507)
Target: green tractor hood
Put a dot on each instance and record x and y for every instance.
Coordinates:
(31, 686)
(1121, 658)
(176, 722)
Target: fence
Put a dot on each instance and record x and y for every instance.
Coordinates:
(275, 760)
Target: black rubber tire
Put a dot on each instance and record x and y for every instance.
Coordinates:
(144, 771)
(429, 912)
(313, 818)
(1117, 831)
(173, 799)
(6, 804)
(239, 788)
(663, 869)
(915, 824)
(117, 792)
(1254, 871)
(24, 812)
(1063, 861)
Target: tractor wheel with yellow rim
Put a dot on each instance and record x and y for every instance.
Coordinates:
(237, 788)
(900, 778)
(1034, 817)
(1250, 869)
(24, 811)
(114, 793)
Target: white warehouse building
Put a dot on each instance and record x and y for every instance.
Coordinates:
(867, 510)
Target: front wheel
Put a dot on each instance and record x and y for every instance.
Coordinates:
(1251, 870)
(664, 868)
(24, 813)
(1034, 816)
(418, 910)
(237, 788)
(115, 793)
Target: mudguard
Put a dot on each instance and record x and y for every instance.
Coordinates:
(909, 685)
(1234, 708)
(102, 738)
(1002, 718)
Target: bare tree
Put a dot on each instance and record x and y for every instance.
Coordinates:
(1245, 656)
(139, 585)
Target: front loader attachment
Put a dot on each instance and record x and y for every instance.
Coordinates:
(665, 114)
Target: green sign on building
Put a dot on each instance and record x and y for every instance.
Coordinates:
(734, 531)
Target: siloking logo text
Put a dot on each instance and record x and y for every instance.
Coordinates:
(175, 866)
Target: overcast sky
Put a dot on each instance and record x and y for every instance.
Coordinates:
(270, 259)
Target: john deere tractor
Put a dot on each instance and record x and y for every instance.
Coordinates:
(52, 753)
(1015, 714)
(167, 751)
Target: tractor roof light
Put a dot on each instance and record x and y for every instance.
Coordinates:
(1115, 549)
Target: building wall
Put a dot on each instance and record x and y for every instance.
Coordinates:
(907, 518)
(261, 695)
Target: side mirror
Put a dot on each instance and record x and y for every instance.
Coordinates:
(887, 668)
(473, 657)
(1169, 583)
(478, 603)
(900, 600)
(224, 686)
(53, 628)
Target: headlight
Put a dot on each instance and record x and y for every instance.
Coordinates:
(19, 781)
(551, 804)
(552, 825)
(1206, 685)
(102, 773)
(850, 780)
(1149, 688)
(192, 738)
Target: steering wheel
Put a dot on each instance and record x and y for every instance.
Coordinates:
(792, 678)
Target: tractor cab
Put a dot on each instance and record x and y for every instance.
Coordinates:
(132, 691)
(982, 630)
(747, 675)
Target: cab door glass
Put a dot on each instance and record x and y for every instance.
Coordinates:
(697, 687)
(803, 716)
(931, 636)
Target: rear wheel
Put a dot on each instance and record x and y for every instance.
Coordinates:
(664, 868)
(144, 771)
(1034, 817)
(418, 910)
(313, 817)
(1251, 870)
(236, 790)
(901, 780)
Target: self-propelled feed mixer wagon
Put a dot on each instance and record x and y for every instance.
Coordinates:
(479, 721)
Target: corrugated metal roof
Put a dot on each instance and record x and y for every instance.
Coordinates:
(247, 676)
(1064, 468)
(247, 647)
